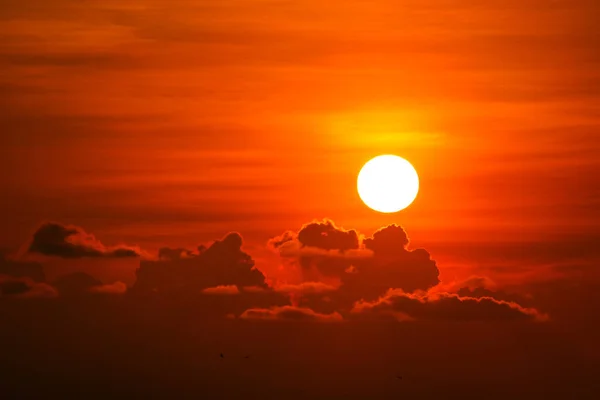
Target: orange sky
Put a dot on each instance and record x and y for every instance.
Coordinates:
(173, 122)
(161, 162)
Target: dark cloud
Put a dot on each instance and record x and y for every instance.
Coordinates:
(52, 239)
(345, 272)
(221, 264)
(25, 269)
(387, 241)
(23, 287)
(444, 306)
(76, 284)
(12, 287)
(342, 273)
(392, 265)
(363, 268)
(325, 235)
(167, 253)
(320, 248)
(290, 313)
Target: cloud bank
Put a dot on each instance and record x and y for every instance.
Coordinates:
(343, 275)
(53, 239)
(444, 306)
(222, 264)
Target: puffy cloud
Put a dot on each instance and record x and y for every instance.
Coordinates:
(221, 264)
(290, 313)
(393, 265)
(23, 287)
(363, 268)
(387, 241)
(444, 306)
(325, 235)
(321, 248)
(224, 289)
(112, 288)
(53, 239)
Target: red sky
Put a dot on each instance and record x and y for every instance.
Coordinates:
(133, 131)
(158, 122)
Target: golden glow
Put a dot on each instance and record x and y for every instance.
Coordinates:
(388, 183)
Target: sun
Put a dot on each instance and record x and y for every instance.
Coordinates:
(388, 183)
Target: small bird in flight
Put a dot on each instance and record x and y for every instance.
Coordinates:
(247, 357)
(222, 356)
(399, 377)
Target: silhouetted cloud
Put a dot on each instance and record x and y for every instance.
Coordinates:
(290, 313)
(444, 306)
(221, 264)
(17, 268)
(53, 239)
(480, 287)
(225, 290)
(343, 273)
(386, 241)
(393, 265)
(325, 235)
(76, 284)
(346, 272)
(361, 267)
(23, 287)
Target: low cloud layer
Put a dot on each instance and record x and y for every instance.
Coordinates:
(363, 268)
(343, 274)
(381, 277)
(444, 306)
(223, 263)
(53, 239)
(22, 269)
(25, 288)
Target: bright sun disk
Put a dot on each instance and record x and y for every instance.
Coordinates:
(388, 183)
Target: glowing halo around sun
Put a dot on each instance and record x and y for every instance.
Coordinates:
(388, 183)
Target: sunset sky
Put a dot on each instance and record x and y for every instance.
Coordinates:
(156, 122)
(131, 126)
